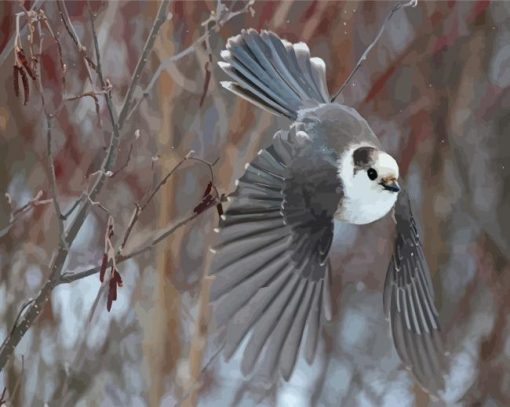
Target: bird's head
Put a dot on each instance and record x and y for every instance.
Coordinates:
(370, 181)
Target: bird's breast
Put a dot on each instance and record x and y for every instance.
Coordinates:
(362, 210)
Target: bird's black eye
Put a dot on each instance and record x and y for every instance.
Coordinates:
(372, 174)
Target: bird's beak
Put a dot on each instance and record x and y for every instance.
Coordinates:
(390, 185)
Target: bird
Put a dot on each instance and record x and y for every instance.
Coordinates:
(270, 267)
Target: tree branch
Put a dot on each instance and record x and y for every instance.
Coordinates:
(53, 179)
(60, 256)
(16, 214)
(158, 236)
(410, 3)
(161, 17)
(215, 21)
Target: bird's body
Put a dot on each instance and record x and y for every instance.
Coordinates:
(271, 267)
(342, 130)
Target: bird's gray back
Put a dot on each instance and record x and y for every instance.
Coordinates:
(337, 126)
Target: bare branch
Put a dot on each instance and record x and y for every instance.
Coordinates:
(212, 24)
(17, 213)
(53, 180)
(139, 207)
(123, 166)
(158, 236)
(64, 16)
(60, 256)
(410, 3)
(198, 382)
(161, 17)
(49, 149)
(73, 207)
(131, 225)
(207, 69)
(20, 312)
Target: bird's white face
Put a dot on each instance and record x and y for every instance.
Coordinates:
(369, 177)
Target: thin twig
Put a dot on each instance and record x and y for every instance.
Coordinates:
(197, 383)
(131, 225)
(82, 346)
(161, 17)
(66, 20)
(410, 3)
(49, 149)
(161, 183)
(74, 206)
(20, 312)
(139, 207)
(213, 23)
(17, 213)
(123, 166)
(53, 180)
(42, 17)
(87, 62)
(158, 238)
(207, 69)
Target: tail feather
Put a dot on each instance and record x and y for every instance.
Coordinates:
(274, 74)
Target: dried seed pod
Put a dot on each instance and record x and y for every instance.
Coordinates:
(104, 263)
(15, 78)
(24, 62)
(207, 190)
(24, 80)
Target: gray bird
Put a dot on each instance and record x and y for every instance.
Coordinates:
(271, 267)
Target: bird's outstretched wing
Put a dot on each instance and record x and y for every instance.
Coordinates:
(272, 276)
(409, 303)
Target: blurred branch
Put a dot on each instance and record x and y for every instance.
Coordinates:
(53, 179)
(216, 20)
(60, 256)
(160, 19)
(410, 3)
(8, 401)
(126, 163)
(207, 69)
(64, 16)
(16, 214)
(87, 62)
(158, 238)
(49, 117)
(197, 383)
(73, 207)
(49, 152)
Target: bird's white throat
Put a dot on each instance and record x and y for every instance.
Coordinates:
(364, 200)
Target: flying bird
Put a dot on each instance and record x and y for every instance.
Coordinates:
(271, 267)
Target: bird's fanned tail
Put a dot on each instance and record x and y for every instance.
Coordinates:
(274, 74)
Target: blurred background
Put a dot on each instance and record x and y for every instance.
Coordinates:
(436, 90)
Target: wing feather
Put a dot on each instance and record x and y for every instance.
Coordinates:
(409, 304)
(272, 277)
